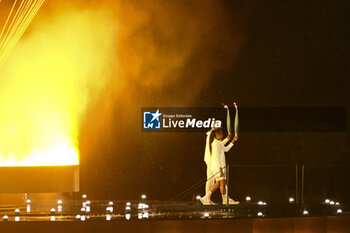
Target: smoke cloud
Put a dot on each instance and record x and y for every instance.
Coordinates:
(89, 67)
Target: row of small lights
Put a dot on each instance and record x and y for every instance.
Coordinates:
(110, 209)
(142, 207)
(327, 201)
(291, 200)
(28, 209)
(86, 209)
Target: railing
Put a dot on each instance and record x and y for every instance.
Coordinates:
(306, 184)
(271, 183)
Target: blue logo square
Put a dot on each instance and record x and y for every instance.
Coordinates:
(151, 120)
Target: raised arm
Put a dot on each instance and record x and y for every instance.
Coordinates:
(228, 138)
(229, 146)
(223, 142)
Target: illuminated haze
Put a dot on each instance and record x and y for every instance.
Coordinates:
(80, 62)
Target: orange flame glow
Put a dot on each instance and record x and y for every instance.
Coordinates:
(45, 88)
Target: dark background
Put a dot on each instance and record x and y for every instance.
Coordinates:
(294, 54)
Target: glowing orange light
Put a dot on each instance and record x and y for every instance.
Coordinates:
(46, 84)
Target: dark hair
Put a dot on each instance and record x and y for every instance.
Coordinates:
(212, 136)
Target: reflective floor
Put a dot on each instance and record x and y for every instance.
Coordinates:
(105, 210)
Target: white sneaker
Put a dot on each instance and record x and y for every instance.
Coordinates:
(205, 200)
(230, 201)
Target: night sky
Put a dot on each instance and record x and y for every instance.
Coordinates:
(266, 54)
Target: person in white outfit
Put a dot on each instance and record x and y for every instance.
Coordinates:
(216, 165)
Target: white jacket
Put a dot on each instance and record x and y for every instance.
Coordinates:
(216, 159)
